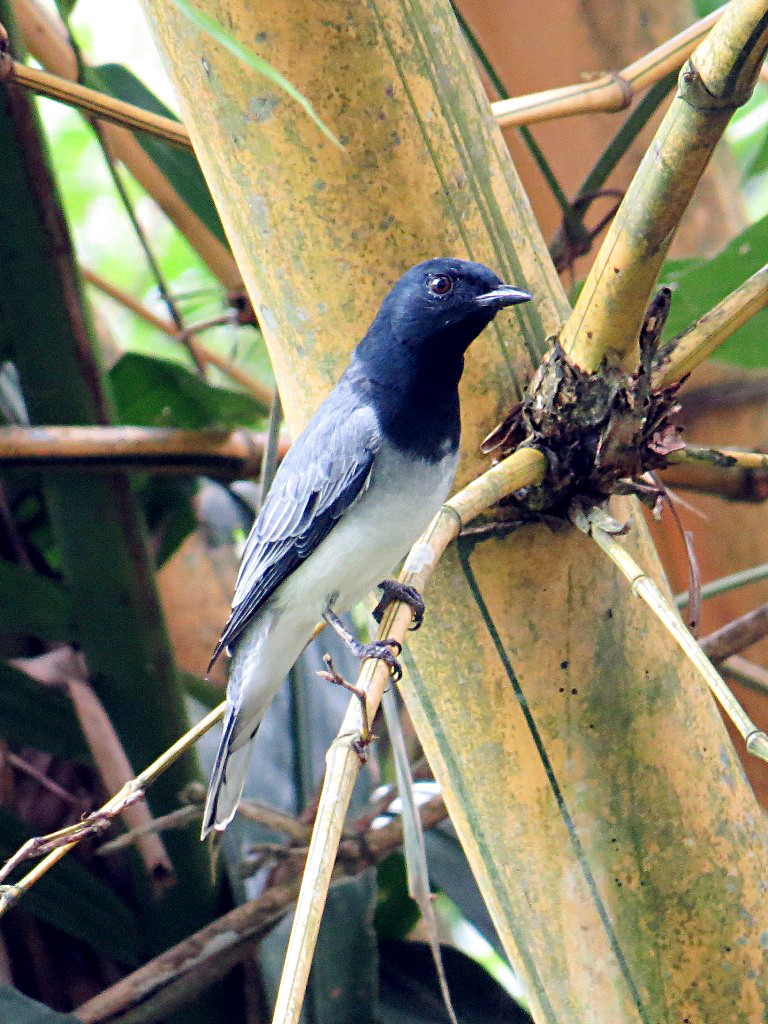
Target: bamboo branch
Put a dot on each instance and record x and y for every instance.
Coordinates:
(745, 672)
(717, 79)
(61, 842)
(727, 472)
(755, 574)
(697, 342)
(201, 352)
(219, 453)
(736, 636)
(99, 104)
(519, 470)
(177, 975)
(609, 92)
(644, 587)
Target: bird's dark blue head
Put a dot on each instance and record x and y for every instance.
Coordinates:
(410, 362)
(434, 312)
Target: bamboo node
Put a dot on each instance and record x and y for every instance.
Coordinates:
(693, 89)
(600, 432)
(757, 744)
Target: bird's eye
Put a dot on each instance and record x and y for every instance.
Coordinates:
(440, 284)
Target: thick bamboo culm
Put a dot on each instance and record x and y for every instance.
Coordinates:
(585, 767)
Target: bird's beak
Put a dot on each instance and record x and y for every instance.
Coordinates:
(504, 295)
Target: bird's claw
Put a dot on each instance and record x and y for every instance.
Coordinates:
(386, 651)
(394, 590)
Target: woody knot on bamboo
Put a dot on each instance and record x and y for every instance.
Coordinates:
(599, 432)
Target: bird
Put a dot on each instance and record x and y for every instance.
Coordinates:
(353, 494)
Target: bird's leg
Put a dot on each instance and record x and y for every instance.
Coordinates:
(383, 650)
(394, 590)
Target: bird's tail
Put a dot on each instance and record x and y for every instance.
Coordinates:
(227, 780)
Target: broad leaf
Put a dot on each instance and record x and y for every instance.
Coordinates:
(699, 284)
(32, 605)
(155, 392)
(35, 715)
(16, 1008)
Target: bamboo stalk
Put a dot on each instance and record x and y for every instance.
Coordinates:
(736, 636)
(46, 38)
(219, 453)
(755, 739)
(716, 80)
(94, 102)
(609, 92)
(697, 342)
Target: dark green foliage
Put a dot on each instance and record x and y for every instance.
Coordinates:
(39, 716)
(699, 284)
(153, 392)
(410, 993)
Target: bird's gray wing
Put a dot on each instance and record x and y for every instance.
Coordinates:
(323, 474)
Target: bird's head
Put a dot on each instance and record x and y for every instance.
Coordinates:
(440, 306)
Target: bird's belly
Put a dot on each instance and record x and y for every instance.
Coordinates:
(373, 536)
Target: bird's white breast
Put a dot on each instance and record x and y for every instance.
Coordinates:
(373, 536)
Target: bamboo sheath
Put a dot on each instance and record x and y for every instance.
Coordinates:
(585, 767)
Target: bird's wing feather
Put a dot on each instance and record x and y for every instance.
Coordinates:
(322, 476)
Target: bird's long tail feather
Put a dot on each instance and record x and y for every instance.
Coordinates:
(227, 779)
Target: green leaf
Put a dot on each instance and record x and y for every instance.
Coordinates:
(699, 284)
(32, 605)
(154, 392)
(167, 504)
(258, 64)
(39, 716)
(179, 166)
(20, 1009)
(396, 913)
(76, 902)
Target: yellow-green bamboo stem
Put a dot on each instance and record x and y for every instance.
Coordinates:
(727, 458)
(543, 693)
(699, 341)
(717, 79)
(609, 92)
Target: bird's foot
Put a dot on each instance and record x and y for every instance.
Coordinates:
(383, 650)
(394, 590)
